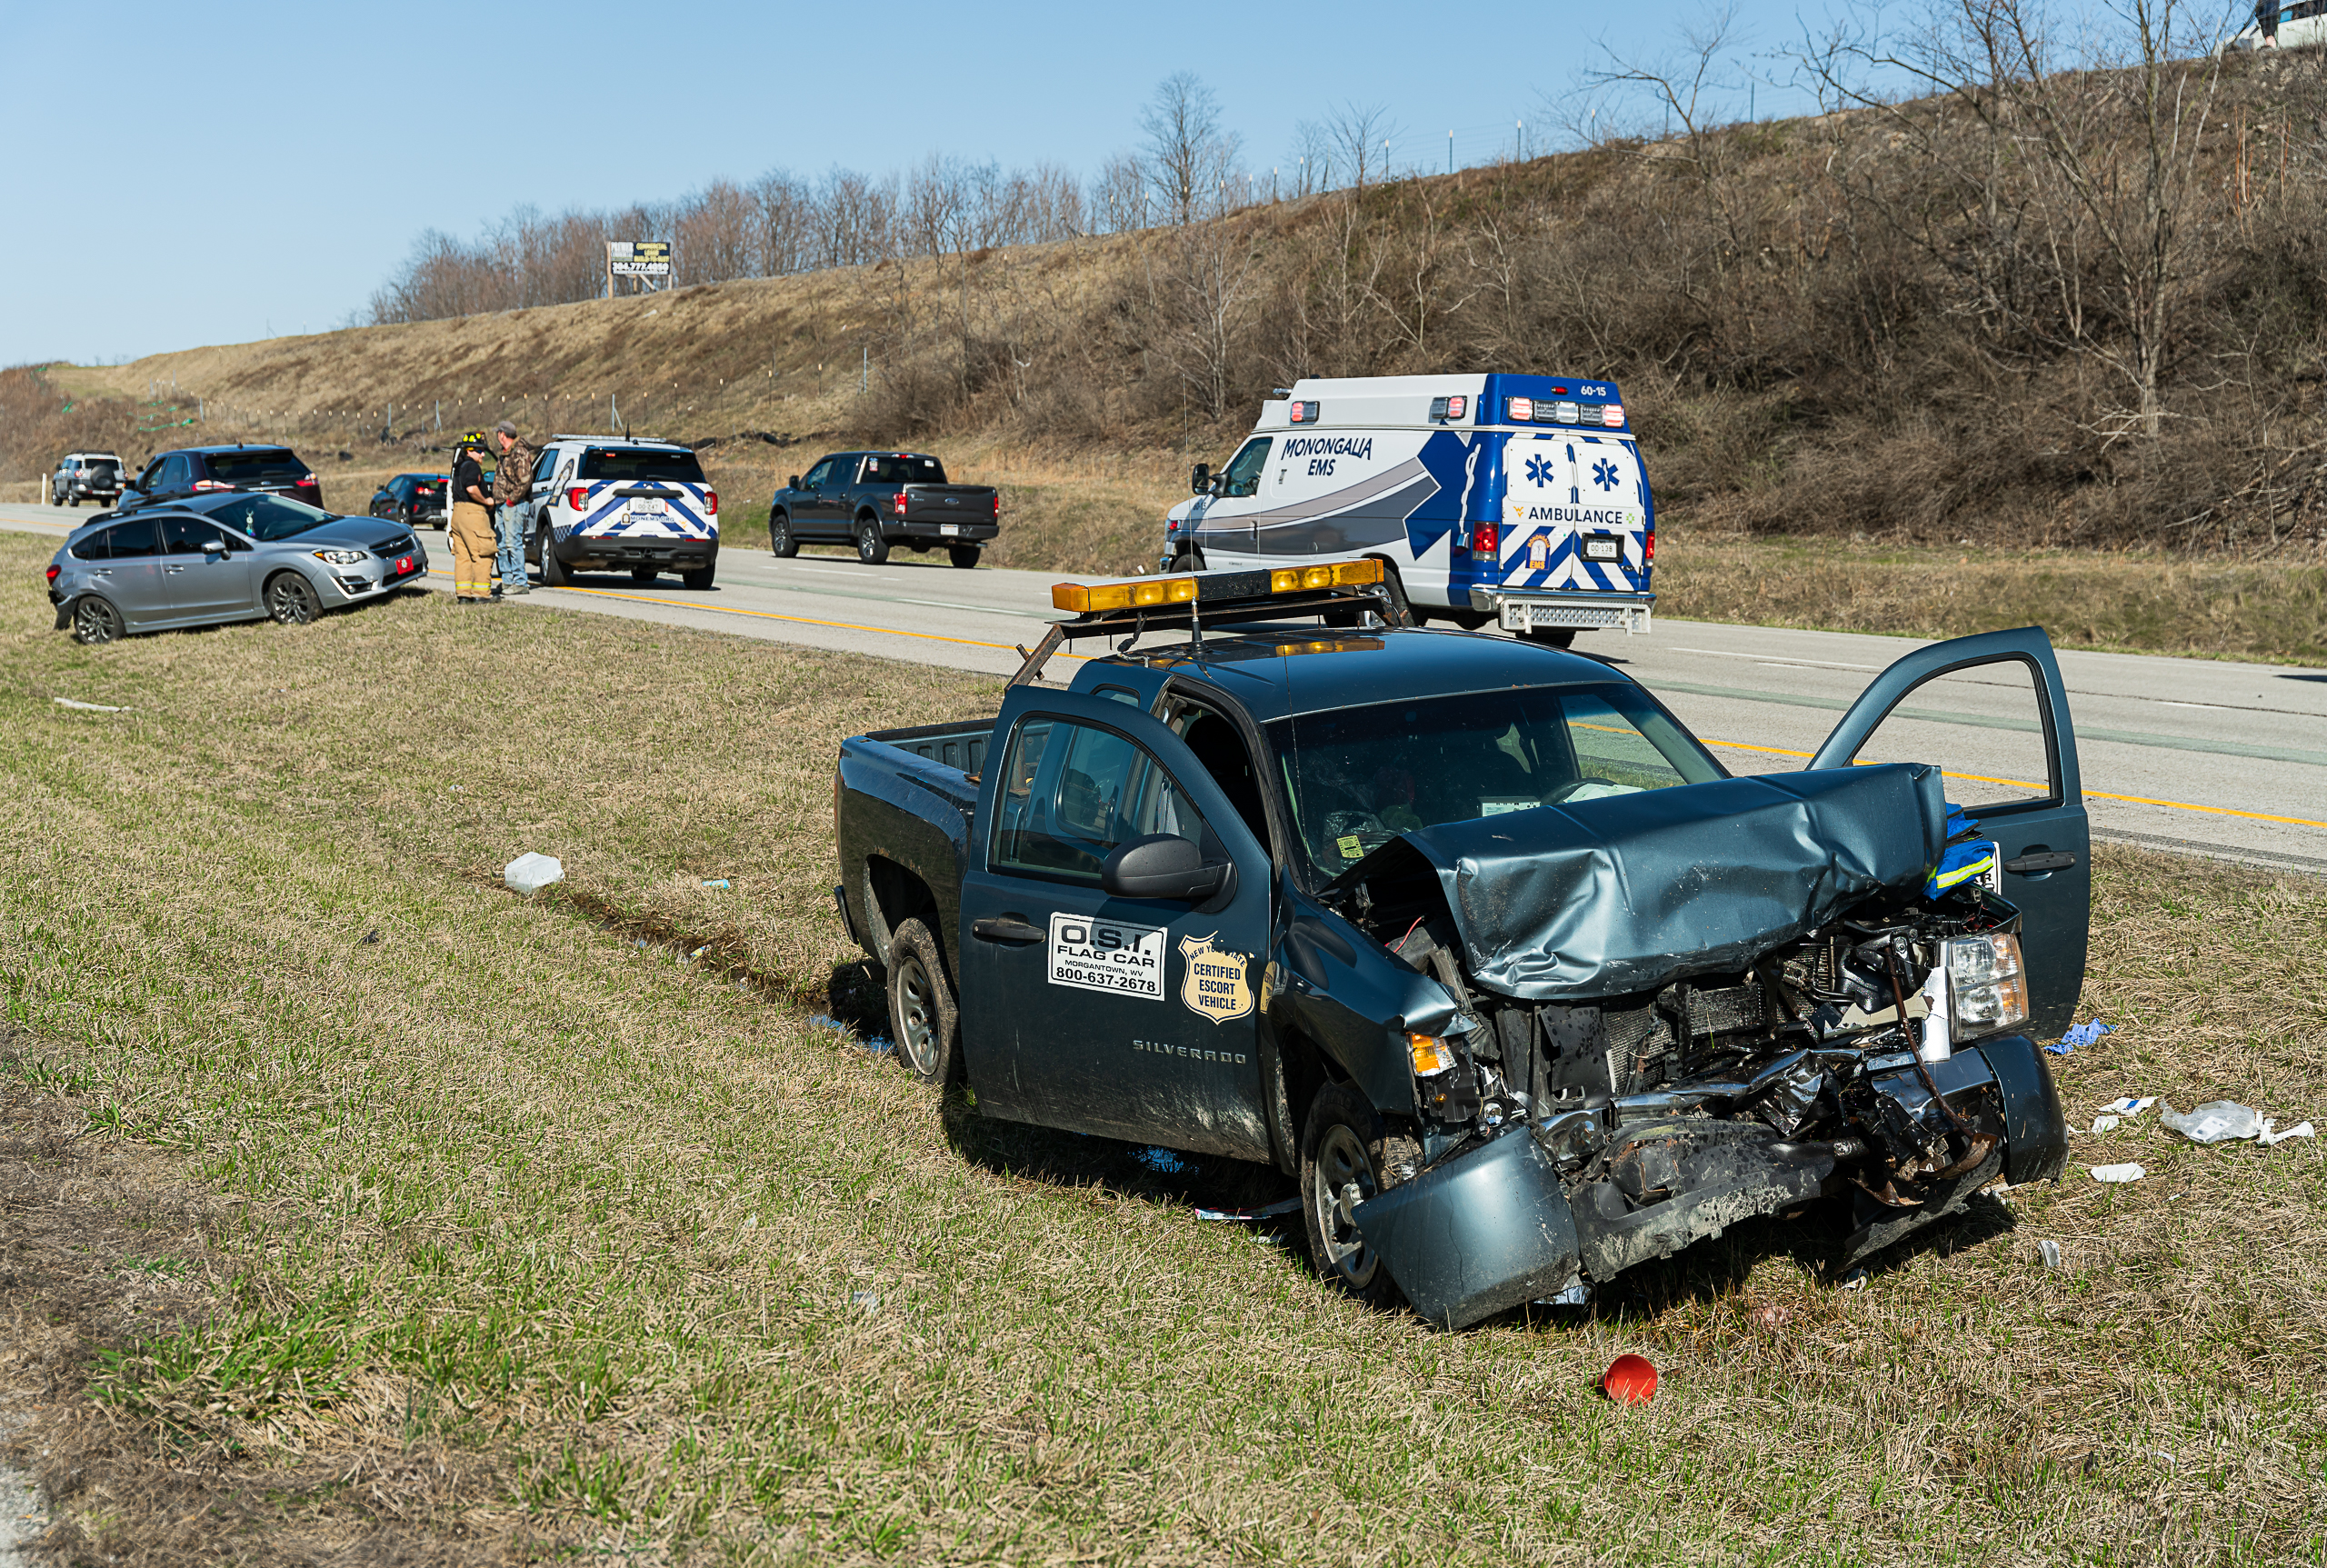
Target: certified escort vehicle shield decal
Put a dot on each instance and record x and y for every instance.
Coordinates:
(1107, 955)
(1215, 986)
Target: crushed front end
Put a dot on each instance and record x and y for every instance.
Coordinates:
(1845, 1029)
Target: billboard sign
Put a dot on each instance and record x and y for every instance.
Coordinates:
(638, 258)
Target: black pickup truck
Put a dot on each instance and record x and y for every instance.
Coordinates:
(876, 499)
(1472, 939)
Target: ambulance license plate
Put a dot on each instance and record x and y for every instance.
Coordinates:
(1602, 550)
(646, 508)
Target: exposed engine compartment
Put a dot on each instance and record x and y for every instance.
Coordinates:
(1845, 1064)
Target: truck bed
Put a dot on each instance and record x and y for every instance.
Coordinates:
(902, 813)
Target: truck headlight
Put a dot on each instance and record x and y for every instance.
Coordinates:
(1987, 985)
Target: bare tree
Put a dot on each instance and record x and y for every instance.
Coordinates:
(1189, 157)
(1359, 134)
(2105, 222)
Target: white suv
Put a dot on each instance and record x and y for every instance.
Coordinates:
(604, 503)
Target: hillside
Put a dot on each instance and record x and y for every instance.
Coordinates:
(1871, 327)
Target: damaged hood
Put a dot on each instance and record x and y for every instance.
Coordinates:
(1630, 893)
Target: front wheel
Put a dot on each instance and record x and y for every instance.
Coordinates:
(291, 600)
(870, 548)
(966, 556)
(96, 623)
(922, 1016)
(780, 542)
(699, 579)
(554, 573)
(1348, 1155)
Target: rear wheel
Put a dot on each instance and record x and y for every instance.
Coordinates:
(870, 548)
(643, 575)
(96, 622)
(290, 601)
(554, 573)
(780, 542)
(699, 579)
(921, 1018)
(963, 555)
(1347, 1156)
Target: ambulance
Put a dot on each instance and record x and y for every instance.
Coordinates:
(1516, 501)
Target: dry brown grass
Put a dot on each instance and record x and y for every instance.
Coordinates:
(547, 1243)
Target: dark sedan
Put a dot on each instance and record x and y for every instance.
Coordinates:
(414, 500)
(191, 471)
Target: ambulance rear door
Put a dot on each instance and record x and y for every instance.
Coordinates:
(1576, 513)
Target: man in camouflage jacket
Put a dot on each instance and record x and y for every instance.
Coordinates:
(512, 482)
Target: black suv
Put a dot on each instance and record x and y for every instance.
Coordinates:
(85, 476)
(414, 500)
(199, 470)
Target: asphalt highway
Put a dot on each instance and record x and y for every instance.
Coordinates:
(2196, 755)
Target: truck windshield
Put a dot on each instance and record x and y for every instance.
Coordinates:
(1357, 777)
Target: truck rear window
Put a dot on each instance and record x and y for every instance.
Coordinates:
(904, 470)
(256, 466)
(630, 463)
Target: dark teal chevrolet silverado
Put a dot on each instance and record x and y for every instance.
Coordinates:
(1473, 938)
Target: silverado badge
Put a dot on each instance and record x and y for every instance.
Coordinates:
(1215, 986)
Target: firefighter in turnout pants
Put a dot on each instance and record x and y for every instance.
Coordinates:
(472, 525)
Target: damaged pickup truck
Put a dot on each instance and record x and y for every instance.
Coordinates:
(1471, 937)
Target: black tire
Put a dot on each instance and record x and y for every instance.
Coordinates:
(643, 575)
(96, 623)
(554, 573)
(1187, 561)
(291, 600)
(780, 542)
(870, 548)
(966, 556)
(700, 579)
(1549, 636)
(1345, 1145)
(922, 1016)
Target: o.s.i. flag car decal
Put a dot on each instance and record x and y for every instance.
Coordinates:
(1574, 514)
(628, 509)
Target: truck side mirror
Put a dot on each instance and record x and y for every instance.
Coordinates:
(793, 483)
(1164, 866)
(1200, 480)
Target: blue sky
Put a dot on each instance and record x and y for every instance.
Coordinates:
(213, 174)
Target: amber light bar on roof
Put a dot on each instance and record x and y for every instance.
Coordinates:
(1212, 587)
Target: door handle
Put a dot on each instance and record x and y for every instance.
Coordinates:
(1005, 928)
(2052, 860)
(171, 570)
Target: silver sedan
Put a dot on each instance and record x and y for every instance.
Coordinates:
(236, 556)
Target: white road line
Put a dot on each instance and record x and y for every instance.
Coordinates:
(1773, 661)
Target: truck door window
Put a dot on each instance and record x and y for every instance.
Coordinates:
(1243, 475)
(1071, 792)
(1220, 747)
(1985, 725)
(817, 475)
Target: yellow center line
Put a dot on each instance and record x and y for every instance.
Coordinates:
(2046, 789)
(797, 620)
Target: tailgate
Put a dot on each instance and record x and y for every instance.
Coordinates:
(949, 504)
(1577, 514)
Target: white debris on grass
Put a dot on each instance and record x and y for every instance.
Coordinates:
(2117, 1175)
(2215, 1122)
(530, 872)
(88, 707)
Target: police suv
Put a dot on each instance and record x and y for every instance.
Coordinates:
(605, 503)
(1519, 500)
